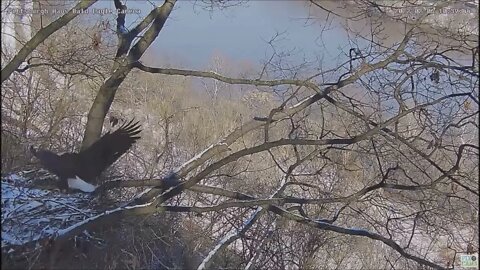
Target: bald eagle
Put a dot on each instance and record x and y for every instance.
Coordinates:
(81, 170)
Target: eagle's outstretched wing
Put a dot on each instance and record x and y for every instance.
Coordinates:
(104, 152)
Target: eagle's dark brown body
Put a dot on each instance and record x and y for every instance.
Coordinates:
(91, 162)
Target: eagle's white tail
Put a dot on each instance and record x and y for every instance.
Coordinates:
(78, 183)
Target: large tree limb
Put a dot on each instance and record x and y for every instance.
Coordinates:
(122, 67)
(42, 35)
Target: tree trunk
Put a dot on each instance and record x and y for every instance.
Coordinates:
(101, 105)
(107, 91)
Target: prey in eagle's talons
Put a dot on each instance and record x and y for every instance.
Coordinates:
(80, 171)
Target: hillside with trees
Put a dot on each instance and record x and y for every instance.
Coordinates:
(369, 162)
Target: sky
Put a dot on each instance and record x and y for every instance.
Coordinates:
(193, 35)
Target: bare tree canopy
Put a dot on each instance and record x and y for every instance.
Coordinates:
(366, 158)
